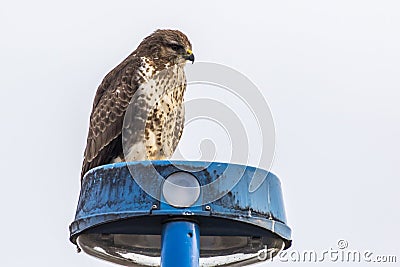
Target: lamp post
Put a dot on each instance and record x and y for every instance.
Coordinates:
(180, 244)
(118, 221)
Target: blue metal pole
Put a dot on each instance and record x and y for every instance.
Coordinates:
(180, 244)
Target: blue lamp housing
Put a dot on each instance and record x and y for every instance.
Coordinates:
(127, 216)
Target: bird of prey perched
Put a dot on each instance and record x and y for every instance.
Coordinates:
(151, 80)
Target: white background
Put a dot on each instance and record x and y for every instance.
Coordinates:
(329, 70)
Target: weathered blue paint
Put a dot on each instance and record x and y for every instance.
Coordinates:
(112, 202)
(109, 193)
(180, 245)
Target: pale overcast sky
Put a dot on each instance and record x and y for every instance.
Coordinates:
(328, 69)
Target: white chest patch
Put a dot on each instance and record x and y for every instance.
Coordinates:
(158, 113)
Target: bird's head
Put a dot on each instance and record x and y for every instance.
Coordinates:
(167, 46)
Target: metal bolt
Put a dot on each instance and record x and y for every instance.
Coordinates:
(208, 207)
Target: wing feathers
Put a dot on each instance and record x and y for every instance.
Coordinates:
(109, 106)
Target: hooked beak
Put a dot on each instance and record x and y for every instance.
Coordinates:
(189, 55)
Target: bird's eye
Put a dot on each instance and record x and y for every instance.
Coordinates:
(175, 47)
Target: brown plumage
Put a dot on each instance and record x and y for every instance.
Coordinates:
(152, 79)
